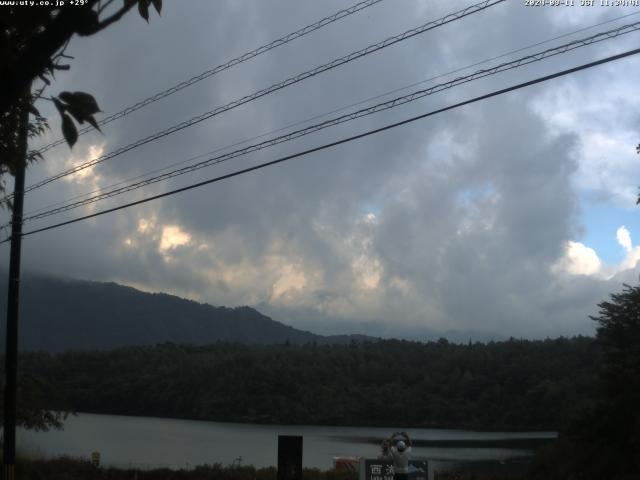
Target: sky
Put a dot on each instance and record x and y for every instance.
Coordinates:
(514, 216)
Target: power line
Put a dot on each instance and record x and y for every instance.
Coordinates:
(315, 117)
(231, 63)
(344, 140)
(526, 60)
(278, 86)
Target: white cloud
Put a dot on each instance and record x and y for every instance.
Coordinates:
(578, 260)
(624, 238)
(368, 271)
(86, 176)
(604, 121)
(146, 224)
(631, 259)
(173, 237)
(291, 281)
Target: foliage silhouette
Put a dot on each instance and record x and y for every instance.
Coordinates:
(32, 48)
(603, 440)
(517, 384)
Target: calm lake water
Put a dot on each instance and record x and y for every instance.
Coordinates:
(141, 442)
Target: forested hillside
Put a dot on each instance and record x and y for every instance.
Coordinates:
(59, 314)
(516, 384)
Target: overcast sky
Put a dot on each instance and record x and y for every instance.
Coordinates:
(514, 216)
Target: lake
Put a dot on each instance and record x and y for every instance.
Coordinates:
(142, 442)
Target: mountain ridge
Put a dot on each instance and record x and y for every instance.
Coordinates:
(58, 314)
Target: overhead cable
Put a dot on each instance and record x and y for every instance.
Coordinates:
(342, 141)
(326, 114)
(275, 87)
(526, 60)
(224, 66)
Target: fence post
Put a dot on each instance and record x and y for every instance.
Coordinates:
(289, 457)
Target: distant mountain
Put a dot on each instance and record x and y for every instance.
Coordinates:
(324, 324)
(61, 314)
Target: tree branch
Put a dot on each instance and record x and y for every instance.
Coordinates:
(113, 18)
(37, 55)
(102, 8)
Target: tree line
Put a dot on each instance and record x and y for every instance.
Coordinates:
(515, 384)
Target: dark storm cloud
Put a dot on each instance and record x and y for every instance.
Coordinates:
(454, 222)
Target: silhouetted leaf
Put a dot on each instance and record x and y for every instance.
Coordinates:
(143, 8)
(88, 103)
(81, 106)
(69, 130)
(82, 101)
(79, 117)
(59, 105)
(93, 123)
(89, 22)
(66, 97)
(34, 110)
(157, 4)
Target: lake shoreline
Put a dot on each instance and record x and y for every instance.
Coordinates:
(390, 426)
(173, 443)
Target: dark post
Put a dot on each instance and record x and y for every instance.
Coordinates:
(289, 457)
(11, 349)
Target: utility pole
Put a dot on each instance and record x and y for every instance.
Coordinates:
(11, 349)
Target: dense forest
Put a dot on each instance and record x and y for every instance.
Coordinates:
(516, 384)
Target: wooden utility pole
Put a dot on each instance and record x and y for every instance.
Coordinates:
(11, 349)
